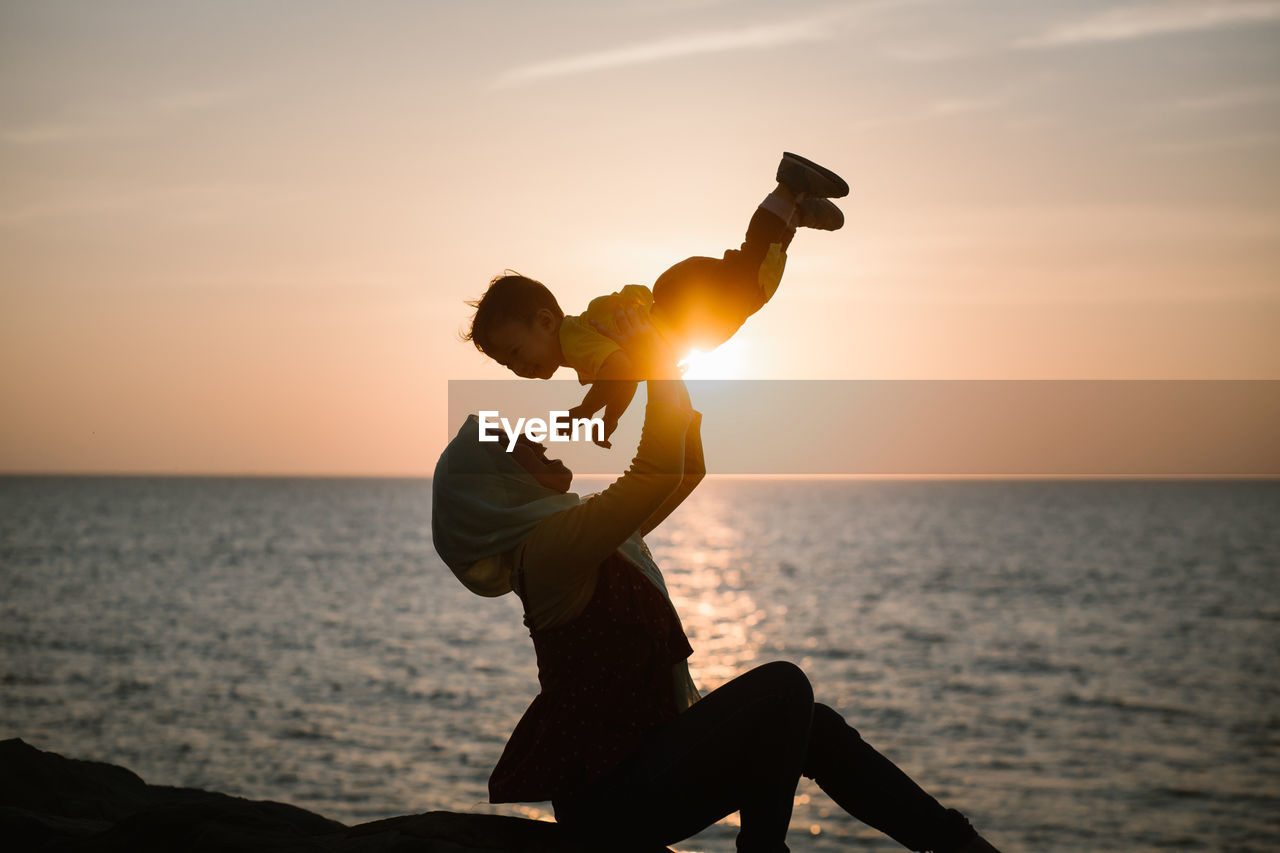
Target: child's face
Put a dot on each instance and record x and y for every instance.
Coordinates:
(529, 349)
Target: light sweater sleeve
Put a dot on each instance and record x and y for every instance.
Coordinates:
(695, 468)
(560, 558)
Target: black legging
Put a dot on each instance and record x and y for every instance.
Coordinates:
(743, 748)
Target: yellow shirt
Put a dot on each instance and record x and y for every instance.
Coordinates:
(584, 348)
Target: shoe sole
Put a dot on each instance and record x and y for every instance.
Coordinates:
(827, 183)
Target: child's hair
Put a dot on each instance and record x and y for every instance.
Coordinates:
(510, 296)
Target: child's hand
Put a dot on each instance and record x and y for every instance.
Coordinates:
(647, 350)
(610, 424)
(579, 411)
(609, 427)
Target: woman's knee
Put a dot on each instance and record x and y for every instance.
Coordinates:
(787, 680)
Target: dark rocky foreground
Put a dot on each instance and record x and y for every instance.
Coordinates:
(51, 803)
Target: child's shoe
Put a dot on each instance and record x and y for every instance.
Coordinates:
(819, 213)
(805, 176)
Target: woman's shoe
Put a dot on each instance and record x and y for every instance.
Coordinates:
(805, 176)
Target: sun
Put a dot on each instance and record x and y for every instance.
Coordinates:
(728, 361)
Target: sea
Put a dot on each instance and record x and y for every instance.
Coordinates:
(1075, 665)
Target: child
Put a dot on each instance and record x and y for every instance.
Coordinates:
(698, 303)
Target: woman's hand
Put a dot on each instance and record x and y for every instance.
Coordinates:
(646, 349)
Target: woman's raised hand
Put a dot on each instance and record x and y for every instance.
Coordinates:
(646, 349)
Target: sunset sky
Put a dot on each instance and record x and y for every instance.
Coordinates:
(237, 237)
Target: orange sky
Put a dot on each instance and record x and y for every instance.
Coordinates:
(236, 238)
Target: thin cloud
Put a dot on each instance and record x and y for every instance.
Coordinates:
(1146, 20)
(928, 52)
(193, 202)
(961, 106)
(643, 53)
(1241, 142)
(51, 132)
(1225, 100)
(945, 108)
(115, 121)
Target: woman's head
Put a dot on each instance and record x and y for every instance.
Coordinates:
(532, 457)
(485, 501)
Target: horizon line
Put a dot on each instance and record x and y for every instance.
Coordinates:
(195, 475)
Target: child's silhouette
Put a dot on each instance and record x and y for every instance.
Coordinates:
(697, 304)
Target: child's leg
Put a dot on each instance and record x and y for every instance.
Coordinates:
(764, 251)
(706, 300)
(763, 254)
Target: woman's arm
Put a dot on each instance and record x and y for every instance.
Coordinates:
(561, 554)
(584, 535)
(695, 468)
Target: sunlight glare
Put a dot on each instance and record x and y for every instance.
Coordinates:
(730, 360)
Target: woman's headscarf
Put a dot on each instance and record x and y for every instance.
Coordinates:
(484, 504)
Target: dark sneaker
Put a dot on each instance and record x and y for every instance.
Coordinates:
(805, 176)
(819, 213)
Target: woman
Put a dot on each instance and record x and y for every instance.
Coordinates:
(618, 739)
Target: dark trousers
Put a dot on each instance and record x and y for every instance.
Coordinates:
(706, 300)
(743, 748)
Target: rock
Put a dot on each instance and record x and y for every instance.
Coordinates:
(63, 805)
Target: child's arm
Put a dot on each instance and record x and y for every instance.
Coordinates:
(616, 367)
(612, 390)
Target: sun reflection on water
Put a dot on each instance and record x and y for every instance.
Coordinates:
(701, 555)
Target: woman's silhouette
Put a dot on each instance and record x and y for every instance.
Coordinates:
(618, 739)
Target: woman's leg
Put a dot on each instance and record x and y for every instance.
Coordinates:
(871, 788)
(740, 748)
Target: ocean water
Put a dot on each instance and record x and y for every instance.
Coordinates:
(1078, 666)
